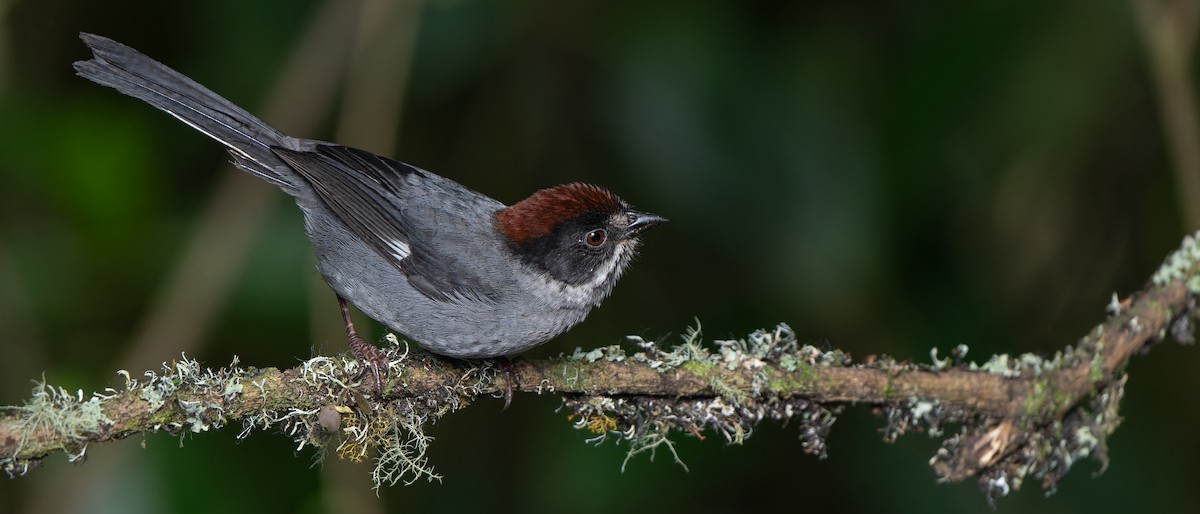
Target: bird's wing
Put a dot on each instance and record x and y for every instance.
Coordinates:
(368, 193)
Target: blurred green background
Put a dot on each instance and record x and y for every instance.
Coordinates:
(886, 177)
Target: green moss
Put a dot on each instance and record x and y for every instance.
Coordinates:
(699, 368)
(1036, 399)
(801, 378)
(577, 375)
(1096, 368)
(807, 375)
(1045, 398)
(1060, 399)
(784, 385)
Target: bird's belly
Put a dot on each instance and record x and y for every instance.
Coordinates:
(462, 328)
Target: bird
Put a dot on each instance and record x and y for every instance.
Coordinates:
(458, 272)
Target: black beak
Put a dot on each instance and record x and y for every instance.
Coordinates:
(642, 221)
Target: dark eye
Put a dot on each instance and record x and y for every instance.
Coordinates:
(596, 237)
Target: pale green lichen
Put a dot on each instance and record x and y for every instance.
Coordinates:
(1032, 364)
(1049, 451)
(153, 396)
(185, 397)
(233, 388)
(594, 355)
(788, 362)
(730, 394)
(647, 423)
(915, 413)
(402, 444)
(613, 353)
(651, 442)
(1087, 440)
(394, 432)
(938, 363)
(1114, 307)
(1055, 445)
(773, 360)
(998, 365)
(922, 408)
(957, 354)
(1179, 264)
(54, 410)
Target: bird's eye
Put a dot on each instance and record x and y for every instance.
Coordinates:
(596, 237)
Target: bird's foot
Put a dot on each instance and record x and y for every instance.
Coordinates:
(510, 378)
(368, 355)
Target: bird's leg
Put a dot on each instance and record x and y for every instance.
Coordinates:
(510, 378)
(370, 356)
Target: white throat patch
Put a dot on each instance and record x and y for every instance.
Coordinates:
(584, 295)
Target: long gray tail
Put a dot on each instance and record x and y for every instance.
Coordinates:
(129, 71)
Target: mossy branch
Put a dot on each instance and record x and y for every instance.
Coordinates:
(1018, 416)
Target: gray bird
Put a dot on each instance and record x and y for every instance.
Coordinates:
(458, 272)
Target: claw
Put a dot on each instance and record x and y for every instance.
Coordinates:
(510, 378)
(367, 354)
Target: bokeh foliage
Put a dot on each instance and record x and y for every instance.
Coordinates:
(883, 176)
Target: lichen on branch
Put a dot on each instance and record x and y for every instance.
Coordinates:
(1018, 416)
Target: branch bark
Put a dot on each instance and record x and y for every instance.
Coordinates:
(1020, 415)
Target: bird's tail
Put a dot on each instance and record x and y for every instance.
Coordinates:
(129, 71)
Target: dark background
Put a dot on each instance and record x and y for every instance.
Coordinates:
(883, 176)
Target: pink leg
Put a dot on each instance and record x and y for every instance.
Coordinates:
(366, 354)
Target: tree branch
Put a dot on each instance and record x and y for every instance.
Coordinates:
(1020, 416)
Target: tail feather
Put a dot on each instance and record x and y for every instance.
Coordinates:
(248, 138)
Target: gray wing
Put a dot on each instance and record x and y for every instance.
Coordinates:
(368, 194)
